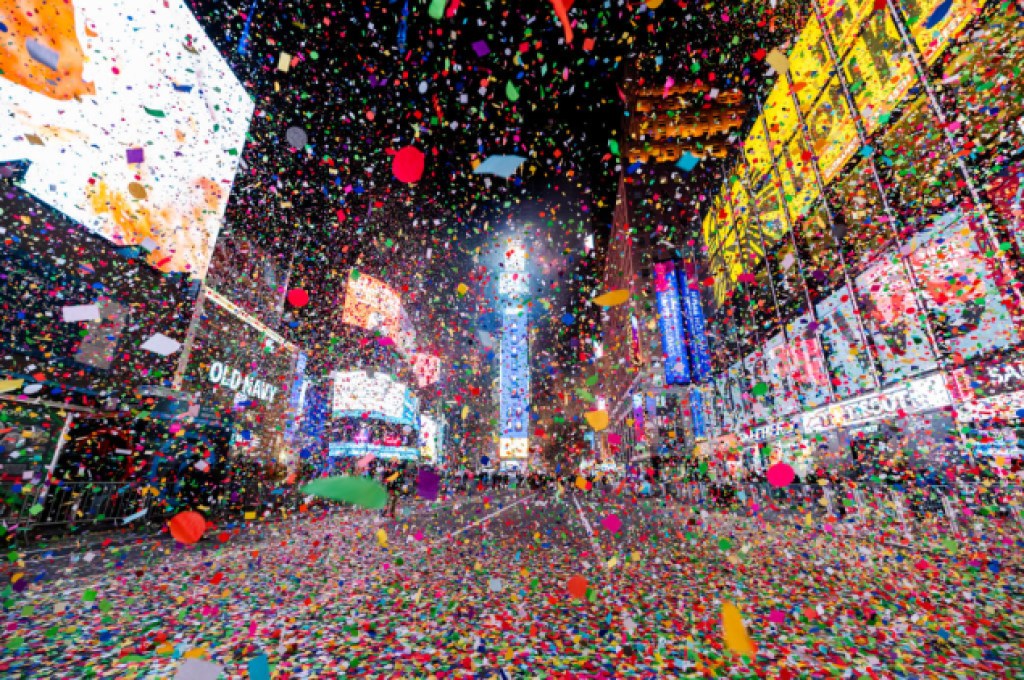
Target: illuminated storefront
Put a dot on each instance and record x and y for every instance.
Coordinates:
(240, 374)
(889, 234)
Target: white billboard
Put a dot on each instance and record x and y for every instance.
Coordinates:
(429, 436)
(374, 394)
(132, 121)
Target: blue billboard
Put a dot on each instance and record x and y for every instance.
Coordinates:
(296, 398)
(695, 326)
(700, 428)
(670, 323)
(515, 375)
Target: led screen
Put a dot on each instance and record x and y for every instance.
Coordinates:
(132, 121)
(514, 447)
(375, 306)
(893, 320)
(426, 368)
(359, 450)
(377, 395)
(695, 323)
(966, 311)
(806, 363)
(843, 343)
(670, 323)
(515, 376)
(430, 438)
(784, 399)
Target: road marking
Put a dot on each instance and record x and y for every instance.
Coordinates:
(590, 531)
(485, 518)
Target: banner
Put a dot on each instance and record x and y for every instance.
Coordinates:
(670, 324)
(695, 324)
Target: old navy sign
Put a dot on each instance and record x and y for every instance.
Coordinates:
(247, 385)
(670, 323)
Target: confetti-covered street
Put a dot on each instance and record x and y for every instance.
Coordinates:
(526, 585)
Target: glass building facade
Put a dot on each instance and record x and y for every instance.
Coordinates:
(865, 248)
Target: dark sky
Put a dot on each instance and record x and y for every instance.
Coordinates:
(493, 78)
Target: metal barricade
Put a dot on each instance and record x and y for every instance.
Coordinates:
(83, 503)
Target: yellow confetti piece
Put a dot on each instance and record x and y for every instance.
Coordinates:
(9, 385)
(612, 299)
(734, 633)
(598, 420)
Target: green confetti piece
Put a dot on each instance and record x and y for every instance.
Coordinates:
(156, 113)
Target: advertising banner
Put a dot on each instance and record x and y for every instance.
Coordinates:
(670, 324)
(296, 398)
(698, 340)
(893, 320)
(847, 357)
(430, 439)
(697, 414)
(357, 450)
(131, 120)
(243, 374)
(515, 376)
(359, 394)
(806, 364)
(916, 396)
(964, 302)
(375, 306)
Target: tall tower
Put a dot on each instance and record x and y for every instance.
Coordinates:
(514, 407)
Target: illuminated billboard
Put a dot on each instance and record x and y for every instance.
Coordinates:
(430, 438)
(843, 344)
(375, 306)
(515, 376)
(695, 328)
(132, 121)
(426, 368)
(670, 323)
(514, 448)
(893, 320)
(966, 311)
(359, 394)
(358, 450)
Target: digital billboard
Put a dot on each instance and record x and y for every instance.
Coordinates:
(514, 448)
(806, 364)
(697, 414)
(358, 450)
(426, 367)
(132, 121)
(963, 299)
(844, 347)
(297, 398)
(754, 365)
(892, 319)
(695, 326)
(670, 323)
(375, 306)
(515, 376)
(431, 437)
(373, 395)
(783, 396)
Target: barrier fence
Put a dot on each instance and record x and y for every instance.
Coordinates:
(959, 508)
(49, 510)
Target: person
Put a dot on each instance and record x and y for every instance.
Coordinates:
(393, 484)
